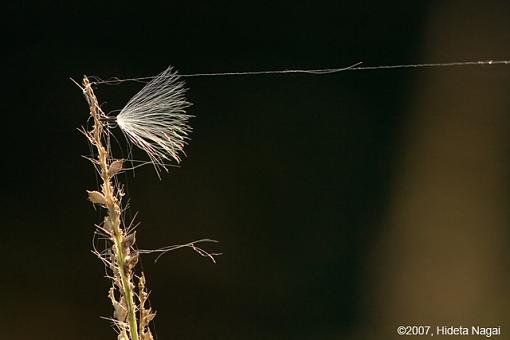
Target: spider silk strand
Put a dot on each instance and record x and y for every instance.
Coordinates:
(322, 71)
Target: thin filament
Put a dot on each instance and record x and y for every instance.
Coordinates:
(354, 67)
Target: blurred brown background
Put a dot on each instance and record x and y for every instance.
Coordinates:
(346, 205)
(442, 257)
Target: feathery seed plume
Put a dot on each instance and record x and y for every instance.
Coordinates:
(155, 119)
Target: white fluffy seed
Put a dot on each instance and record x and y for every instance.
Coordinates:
(155, 119)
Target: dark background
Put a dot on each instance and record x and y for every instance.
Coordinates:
(293, 174)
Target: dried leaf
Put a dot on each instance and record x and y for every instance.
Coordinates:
(96, 197)
(115, 167)
(149, 317)
(129, 240)
(147, 336)
(132, 260)
(120, 311)
(123, 336)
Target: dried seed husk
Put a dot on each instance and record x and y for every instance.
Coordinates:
(96, 197)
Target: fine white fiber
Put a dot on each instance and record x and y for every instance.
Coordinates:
(155, 119)
(321, 71)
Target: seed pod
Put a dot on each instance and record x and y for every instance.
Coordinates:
(129, 240)
(123, 335)
(96, 197)
(131, 261)
(120, 311)
(115, 167)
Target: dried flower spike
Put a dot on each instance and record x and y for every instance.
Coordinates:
(121, 257)
(155, 119)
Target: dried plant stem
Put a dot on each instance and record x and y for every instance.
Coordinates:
(123, 256)
(154, 120)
